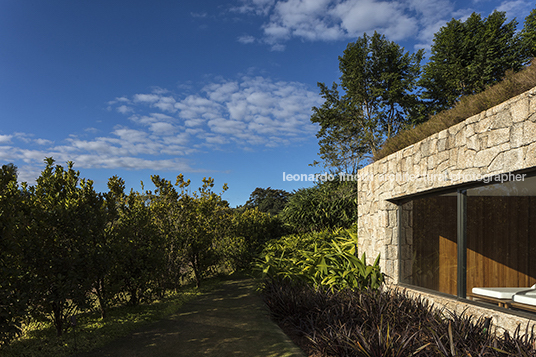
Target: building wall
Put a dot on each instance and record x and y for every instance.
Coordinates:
(498, 141)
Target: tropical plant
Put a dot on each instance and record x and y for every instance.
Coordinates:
(327, 259)
(358, 322)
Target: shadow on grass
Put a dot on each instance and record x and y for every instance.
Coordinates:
(230, 319)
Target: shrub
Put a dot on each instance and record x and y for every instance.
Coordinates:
(327, 205)
(327, 259)
(350, 322)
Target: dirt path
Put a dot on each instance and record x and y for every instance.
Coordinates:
(230, 320)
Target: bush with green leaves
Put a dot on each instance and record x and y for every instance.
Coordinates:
(13, 279)
(250, 230)
(327, 259)
(329, 204)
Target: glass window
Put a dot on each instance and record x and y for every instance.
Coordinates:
(501, 235)
(431, 242)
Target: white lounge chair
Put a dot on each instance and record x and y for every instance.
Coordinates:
(500, 296)
(525, 300)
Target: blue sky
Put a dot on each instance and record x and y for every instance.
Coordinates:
(204, 88)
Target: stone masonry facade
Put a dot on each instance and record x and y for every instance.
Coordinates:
(498, 141)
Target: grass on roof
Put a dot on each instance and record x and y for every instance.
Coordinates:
(512, 85)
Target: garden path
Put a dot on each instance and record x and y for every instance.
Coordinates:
(229, 320)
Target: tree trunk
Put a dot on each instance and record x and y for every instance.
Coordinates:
(58, 318)
(101, 297)
(197, 273)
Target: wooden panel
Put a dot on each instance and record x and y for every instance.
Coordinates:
(434, 243)
(500, 242)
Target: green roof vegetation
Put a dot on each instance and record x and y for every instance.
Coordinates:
(512, 85)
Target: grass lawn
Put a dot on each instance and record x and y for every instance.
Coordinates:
(39, 338)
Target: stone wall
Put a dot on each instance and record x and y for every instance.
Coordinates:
(501, 320)
(498, 141)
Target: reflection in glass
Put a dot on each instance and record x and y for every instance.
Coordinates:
(501, 235)
(501, 238)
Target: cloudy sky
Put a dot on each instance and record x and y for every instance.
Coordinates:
(204, 88)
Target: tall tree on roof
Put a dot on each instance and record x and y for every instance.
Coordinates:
(528, 34)
(469, 56)
(379, 81)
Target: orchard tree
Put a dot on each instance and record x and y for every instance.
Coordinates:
(193, 225)
(13, 278)
(204, 222)
(378, 79)
(105, 246)
(58, 241)
(469, 56)
(139, 244)
(168, 217)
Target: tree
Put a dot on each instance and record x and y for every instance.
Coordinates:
(379, 82)
(194, 223)
(528, 34)
(467, 57)
(141, 246)
(57, 241)
(251, 229)
(13, 279)
(268, 200)
(167, 214)
(204, 222)
(105, 248)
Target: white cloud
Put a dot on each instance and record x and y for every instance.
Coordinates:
(124, 109)
(327, 20)
(5, 139)
(244, 112)
(238, 109)
(246, 39)
(147, 98)
(43, 142)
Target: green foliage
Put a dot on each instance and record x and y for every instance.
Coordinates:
(327, 205)
(469, 56)
(66, 250)
(352, 322)
(327, 259)
(57, 241)
(13, 280)
(194, 222)
(512, 85)
(268, 200)
(140, 245)
(251, 229)
(379, 81)
(528, 34)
